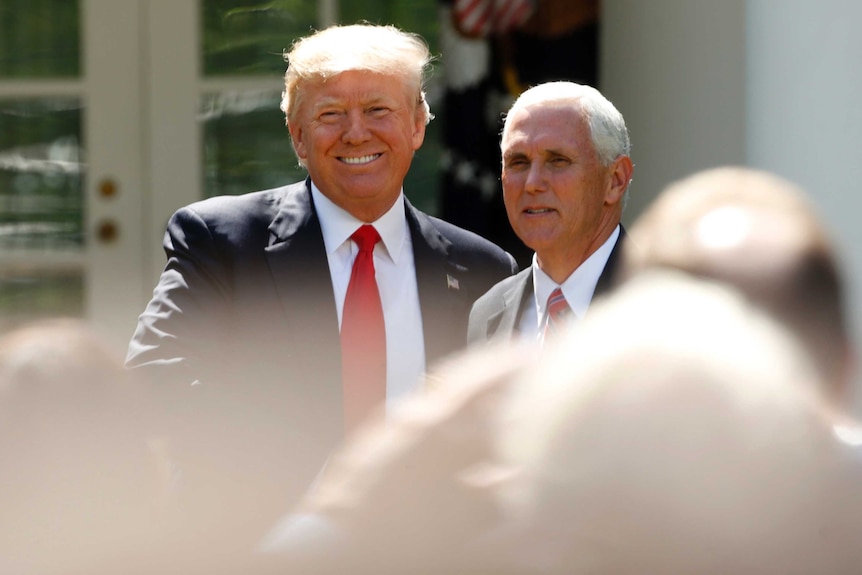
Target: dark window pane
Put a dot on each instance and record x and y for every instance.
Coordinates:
(421, 17)
(418, 16)
(246, 143)
(41, 195)
(27, 295)
(248, 37)
(39, 38)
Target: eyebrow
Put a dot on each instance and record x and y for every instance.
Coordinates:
(327, 102)
(513, 155)
(546, 152)
(368, 100)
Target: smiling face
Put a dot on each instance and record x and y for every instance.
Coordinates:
(356, 134)
(561, 201)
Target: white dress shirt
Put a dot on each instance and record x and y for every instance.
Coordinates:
(578, 289)
(395, 271)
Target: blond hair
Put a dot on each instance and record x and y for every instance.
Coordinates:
(372, 48)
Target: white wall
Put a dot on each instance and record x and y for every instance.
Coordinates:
(773, 84)
(676, 71)
(804, 102)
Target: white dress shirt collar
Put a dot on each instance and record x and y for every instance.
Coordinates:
(338, 225)
(578, 288)
(395, 272)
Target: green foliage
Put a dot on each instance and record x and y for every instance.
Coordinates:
(246, 145)
(248, 37)
(39, 38)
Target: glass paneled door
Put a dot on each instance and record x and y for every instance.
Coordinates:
(114, 113)
(225, 58)
(70, 163)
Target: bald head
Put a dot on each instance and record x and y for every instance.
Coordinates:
(691, 441)
(758, 233)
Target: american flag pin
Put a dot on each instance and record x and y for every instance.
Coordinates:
(452, 283)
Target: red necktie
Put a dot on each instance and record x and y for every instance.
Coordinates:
(363, 335)
(558, 311)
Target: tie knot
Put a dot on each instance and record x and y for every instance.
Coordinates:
(558, 307)
(366, 237)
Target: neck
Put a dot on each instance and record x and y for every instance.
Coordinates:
(560, 264)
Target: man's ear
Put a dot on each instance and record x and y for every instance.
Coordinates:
(298, 143)
(418, 130)
(621, 174)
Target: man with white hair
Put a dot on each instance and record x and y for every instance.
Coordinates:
(566, 171)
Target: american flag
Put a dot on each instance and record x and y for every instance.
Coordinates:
(480, 18)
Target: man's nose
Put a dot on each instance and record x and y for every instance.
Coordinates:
(356, 129)
(535, 181)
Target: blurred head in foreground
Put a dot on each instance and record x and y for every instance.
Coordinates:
(758, 233)
(78, 479)
(691, 440)
(414, 489)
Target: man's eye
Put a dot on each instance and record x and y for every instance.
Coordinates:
(329, 116)
(559, 162)
(378, 111)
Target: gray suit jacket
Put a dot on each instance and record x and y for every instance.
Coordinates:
(497, 314)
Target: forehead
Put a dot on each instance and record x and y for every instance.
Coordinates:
(545, 126)
(357, 85)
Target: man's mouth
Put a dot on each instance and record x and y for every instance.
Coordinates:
(359, 159)
(538, 210)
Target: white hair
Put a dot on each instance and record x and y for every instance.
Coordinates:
(608, 130)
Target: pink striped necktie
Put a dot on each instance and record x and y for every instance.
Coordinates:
(558, 312)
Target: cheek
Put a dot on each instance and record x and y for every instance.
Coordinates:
(510, 194)
(511, 183)
(512, 203)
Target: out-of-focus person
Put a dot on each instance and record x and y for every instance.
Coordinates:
(692, 441)
(80, 479)
(415, 491)
(759, 233)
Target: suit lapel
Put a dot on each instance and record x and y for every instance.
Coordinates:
(308, 343)
(606, 280)
(297, 259)
(505, 321)
(439, 282)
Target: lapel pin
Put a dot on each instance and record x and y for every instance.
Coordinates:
(452, 283)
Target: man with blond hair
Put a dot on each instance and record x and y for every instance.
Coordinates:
(287, 315)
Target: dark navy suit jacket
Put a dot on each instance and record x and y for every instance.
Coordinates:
(242, 337)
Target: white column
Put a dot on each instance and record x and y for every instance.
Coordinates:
(676, 71)
(174, 140)
(804, 113)
(113, 132)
